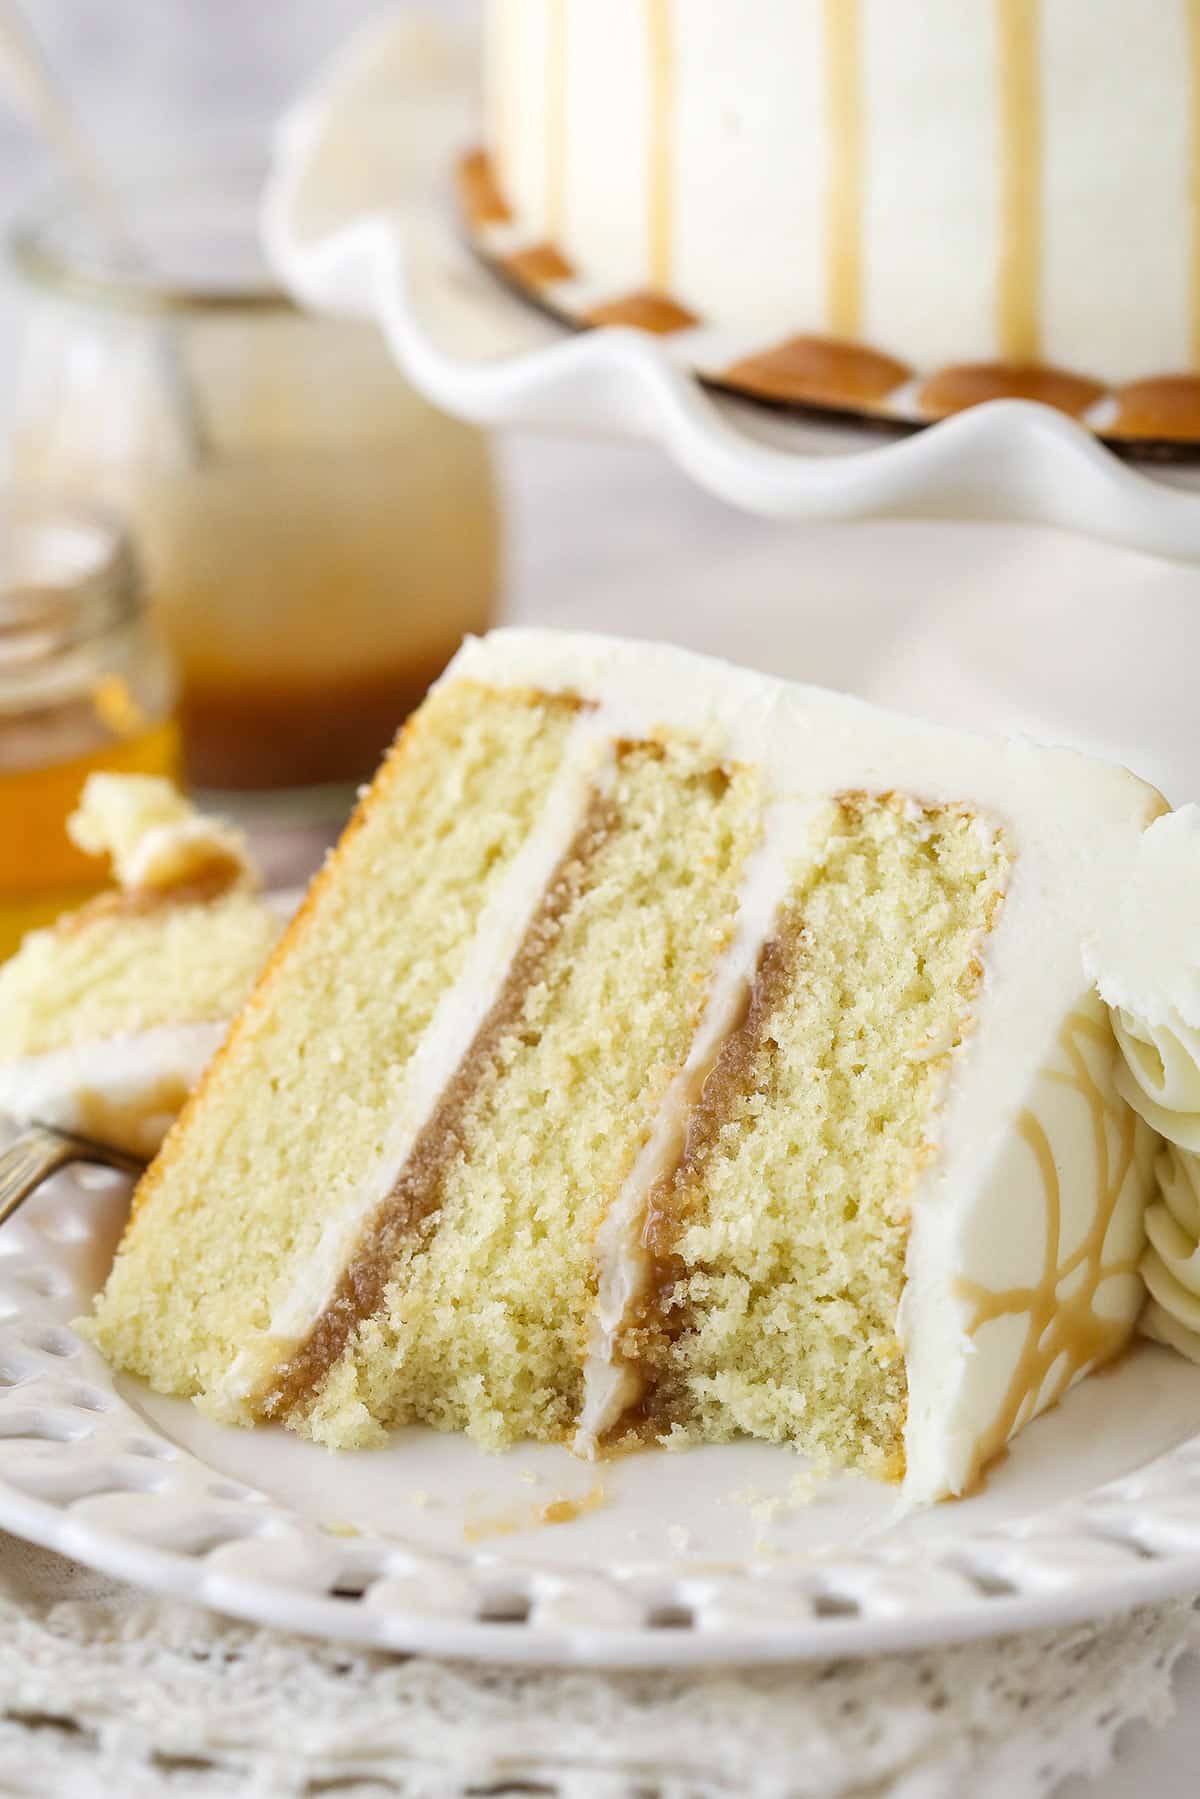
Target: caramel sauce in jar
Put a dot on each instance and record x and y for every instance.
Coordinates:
(317, 538)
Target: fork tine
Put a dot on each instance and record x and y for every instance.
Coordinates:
(40, 1152)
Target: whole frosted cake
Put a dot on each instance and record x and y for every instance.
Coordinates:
(667, 1053)
(947, 198)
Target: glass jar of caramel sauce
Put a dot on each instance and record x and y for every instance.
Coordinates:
(317, 538)
(84, 684)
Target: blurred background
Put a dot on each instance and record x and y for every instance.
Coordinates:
(290, 544)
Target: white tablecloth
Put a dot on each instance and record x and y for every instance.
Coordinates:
(107, 1692)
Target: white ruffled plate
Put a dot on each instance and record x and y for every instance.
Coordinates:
(359, 218)
(718, 1554)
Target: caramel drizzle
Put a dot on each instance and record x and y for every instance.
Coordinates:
(1193, 34)
(844, 198)
(503, 50)
(1061, 1327)
(659, 123)
(556, 120)
(1019, 263)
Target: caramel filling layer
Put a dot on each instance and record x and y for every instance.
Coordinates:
(148, 902)
(656, 1320)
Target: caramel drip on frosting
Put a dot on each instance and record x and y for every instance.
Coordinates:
(659, 131)
(1064, 1334)
(556, 120)
(843, 87)
(502, 52)
(1193, 32)
(479, 193)
(1019, 259)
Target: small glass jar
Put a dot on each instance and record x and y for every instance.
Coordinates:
(84, 684)
(317, 538)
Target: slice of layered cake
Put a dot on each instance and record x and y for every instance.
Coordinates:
(666, 1053)
(108, 1018)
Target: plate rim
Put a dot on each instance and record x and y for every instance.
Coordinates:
(81, 1475)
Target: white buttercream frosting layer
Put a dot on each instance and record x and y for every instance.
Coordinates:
(1171, 1266)
(123, 1090)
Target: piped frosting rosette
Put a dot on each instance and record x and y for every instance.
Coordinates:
(1147, 968)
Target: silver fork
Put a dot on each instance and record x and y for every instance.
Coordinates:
(41, 1151)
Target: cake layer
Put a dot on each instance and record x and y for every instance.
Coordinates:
(956, 186)
(127, 963)
(300, 1103)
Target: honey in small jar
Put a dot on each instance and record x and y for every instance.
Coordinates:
(84, 685)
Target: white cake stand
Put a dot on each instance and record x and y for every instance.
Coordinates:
(359, 219)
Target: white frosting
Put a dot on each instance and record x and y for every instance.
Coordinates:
(750, 122)
(1171, 1265)
(124, 1089)
(979, 1212)
(1146, 964)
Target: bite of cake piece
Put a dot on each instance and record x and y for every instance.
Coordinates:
(667, 1053)
(109, 1017)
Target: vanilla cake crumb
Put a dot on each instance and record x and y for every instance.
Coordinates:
(386, 1204)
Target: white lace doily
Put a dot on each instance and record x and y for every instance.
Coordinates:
(108, 1692)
